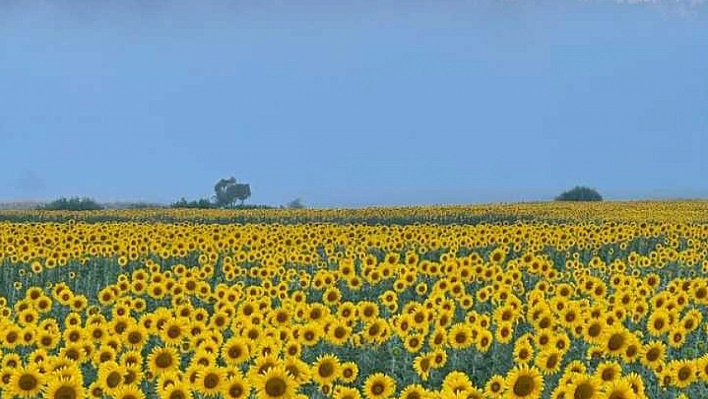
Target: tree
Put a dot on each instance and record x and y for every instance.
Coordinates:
(296, 204)
(243, 191)
(227, 191)
(579, 193)
(224, 192)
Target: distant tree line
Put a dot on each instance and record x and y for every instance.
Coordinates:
(72, 204)
(227, 192)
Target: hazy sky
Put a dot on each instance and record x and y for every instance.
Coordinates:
(353, 103)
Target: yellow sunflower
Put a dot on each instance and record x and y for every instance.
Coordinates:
(26, 382)
(414, 391)
(583, 386)
(379, 386)
(64, 388)
(162, 360)
(276, 383)
(326, 369)
(235, 387)
(524, 382)
(618, 389)
(494, 387)
(346, 393)
(210, 380)
(348, 372)
(129, 392)
(110, 376)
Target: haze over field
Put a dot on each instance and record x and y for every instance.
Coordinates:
(353, 104)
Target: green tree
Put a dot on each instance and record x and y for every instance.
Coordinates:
(243, 191)
(227, 191)
(580, 193)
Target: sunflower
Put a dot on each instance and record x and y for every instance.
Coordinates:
(162, 360)
(338, 332)
(131, 357)
(413, 343)
(494, 387)
(48, 340)
(379, 386)
(414, 391)
(95, 391)
(178, 390)
(133, 373)
(677, 336)
(376, 331)
(347, 311)
(652, 354)
(326, 369)
(524, 382)
(438, 338)
(235, 351)
(104, 354)
(110, 376)
(135, 336)
(236, 387)
(422, 365)
(608, 371)
(129, 392)
(73, 352)
(659, 322)
(583, 386)
(549, 361)
(64, 388)
(368, 311)
(684, 371)
(504, 333)
(456, 382)
(210, 380)
(348, 372)
(615, 340)
(310, 334)
(38, 356)
(263, 364)
(484, 340)
(168, 379)
(26, 382)
(637, 383)
(276, 383)
(523, 352)
(346, 393)
(11, 336)
(173, 331)
(618, 389)
(299, 370)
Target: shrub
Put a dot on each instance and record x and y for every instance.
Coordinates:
(296, 204)
(199, 204)
(72, 204)
(579, 193)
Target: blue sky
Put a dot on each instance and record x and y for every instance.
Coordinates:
(373, 103)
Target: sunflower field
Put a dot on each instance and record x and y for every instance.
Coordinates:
(508, 301)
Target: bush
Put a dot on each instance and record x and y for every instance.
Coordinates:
(296, 204)
(199, 204)
(72, 204)
(579, 193)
